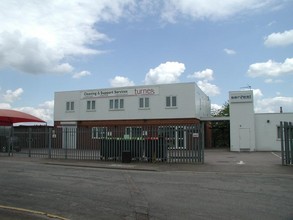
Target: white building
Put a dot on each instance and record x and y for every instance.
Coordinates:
(169, 104)
(250, 131)
(139, 104)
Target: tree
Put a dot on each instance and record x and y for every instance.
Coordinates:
(221, 129)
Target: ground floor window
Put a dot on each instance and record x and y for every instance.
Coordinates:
(175, 135)
(133, 132)
(99, 132)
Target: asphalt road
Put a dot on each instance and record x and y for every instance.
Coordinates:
(223, 189)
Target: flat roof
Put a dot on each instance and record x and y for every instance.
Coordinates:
(215, 118)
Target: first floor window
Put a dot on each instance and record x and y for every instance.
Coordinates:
(171, 101)
(91, 105)
(70, 106)
(116, 104)
(144, 102)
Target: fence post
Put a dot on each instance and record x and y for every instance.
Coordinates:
(286, 136)
(201, 143)
(291, 141)
(49, 142)
(10, 148)
(282, 142)
(29, 142)
(66, 136)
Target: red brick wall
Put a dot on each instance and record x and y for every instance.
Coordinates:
(146, 122)
(140, 122)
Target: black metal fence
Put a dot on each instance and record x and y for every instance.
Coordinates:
(286, 134)
(172, 144)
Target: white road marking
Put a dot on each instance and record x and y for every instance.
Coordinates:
(240, 162)
(276, 155)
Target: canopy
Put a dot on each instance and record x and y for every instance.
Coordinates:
(9, 117)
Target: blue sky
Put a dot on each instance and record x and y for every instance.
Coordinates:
(48, 46)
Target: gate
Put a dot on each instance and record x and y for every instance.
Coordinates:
(286, 134)
(171, 144)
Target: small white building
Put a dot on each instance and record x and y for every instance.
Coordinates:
(251, 131)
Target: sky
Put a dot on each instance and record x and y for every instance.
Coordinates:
(51, 45)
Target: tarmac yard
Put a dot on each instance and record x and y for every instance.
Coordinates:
(228, 186)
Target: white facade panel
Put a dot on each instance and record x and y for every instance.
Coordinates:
(242, 126)
(186, 101)
(267, 130)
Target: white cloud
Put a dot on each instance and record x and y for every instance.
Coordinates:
(270, 81)
(44, 111)
(271, 68)
(229, 51)
(271, 23)
(206, 74)
(121, 81)
(279, 39)
(168, 72)
(10, 96)
(215, 108)
(81, 74)
(257, 93)
(199, 9)
(5, 105)
(37, 36)
(272, 105)
(208, 88)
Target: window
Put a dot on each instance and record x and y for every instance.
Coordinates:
(99, 132)
(144, 102)
(111, 104)
(116, 104)
(133, 132)
(171, 101)
(70, 106)
(91, 105)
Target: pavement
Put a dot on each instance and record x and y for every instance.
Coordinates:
(219, 161)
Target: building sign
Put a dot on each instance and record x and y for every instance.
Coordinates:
(104, 93)
(242, 96)
(195, 135)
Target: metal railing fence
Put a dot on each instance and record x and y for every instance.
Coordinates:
(286, 133)
(172, 144)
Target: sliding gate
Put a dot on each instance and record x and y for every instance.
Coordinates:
(171, 144)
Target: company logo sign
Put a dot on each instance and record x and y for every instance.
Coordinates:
(103, 93)
(246, 96)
